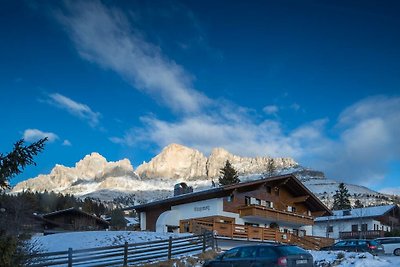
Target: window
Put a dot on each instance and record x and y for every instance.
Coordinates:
(354, 227)
(230, 198)
(329, 229)
(364, 227)
(268, 189)
(233, 253)
(340, 244)
(290, 250)
(293, 209)
(351, 243)
(276, 189)
(346, 212)
(247, 252)
(267, 252)
(247, 200)
(252, 224)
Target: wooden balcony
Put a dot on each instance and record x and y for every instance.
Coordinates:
(237, 231)
(371, 234)
(274, 215)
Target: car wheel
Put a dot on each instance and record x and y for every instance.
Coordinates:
(396, 252)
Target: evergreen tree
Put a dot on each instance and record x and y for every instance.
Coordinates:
(15, 162)
(341, 198)
(118, 221)
(228, 175)
(271, 168)
(358, 204)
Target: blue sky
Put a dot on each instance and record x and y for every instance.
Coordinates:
(314, 80)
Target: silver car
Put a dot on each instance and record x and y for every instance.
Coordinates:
(391, 244)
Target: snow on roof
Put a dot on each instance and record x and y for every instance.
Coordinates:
(356, 213)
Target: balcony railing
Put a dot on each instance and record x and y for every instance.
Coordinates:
(275, 215)
(362, 234)
(239, 231)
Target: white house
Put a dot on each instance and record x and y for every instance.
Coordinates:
(368, 222)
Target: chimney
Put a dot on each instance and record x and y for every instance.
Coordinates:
(182, 188)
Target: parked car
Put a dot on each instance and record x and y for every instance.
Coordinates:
(391, 244)
(272, 255)
(357, 245)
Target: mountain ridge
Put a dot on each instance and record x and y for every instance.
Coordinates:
(94, 176)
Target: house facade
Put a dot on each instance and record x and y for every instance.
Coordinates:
(249, 210)
(368, 222)
(71, 219)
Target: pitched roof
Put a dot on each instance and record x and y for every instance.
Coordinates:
(73, 210)
(357, 213)
(289, 181)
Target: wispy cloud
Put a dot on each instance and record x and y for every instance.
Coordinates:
(75, 108)
(271, 109)
(105, 36)
(367, 138)
(66, 143)
(33, 135)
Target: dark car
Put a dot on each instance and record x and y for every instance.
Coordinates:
(357, 245)
(272, 255)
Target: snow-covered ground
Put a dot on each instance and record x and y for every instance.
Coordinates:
(353, 259)
(93, 239)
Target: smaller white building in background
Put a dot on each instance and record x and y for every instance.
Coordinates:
(368, 222)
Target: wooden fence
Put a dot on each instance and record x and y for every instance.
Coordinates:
(259, 233)
(127, 254)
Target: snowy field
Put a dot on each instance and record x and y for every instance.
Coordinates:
(83, 240)
(93, 239)
(353, 259)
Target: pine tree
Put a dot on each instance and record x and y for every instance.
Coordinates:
(228, 175)
(271, 168)
(15, 162)
(341, 198)
(118, 221)
(358, 204)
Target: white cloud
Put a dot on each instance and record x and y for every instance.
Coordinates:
(238, 133)
(33, 135)
(105, 36)
(369, 132)
(365, 141)
(77, 109)
(66, 143)
(271, 109)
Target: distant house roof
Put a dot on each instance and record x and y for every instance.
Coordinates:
(289, 181)
(366, 212)
(72, 211)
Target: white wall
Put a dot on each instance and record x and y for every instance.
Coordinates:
(204, 208)
(143, 221)
(319, 228)
(169, 217)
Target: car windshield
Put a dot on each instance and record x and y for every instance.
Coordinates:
(289, 250)
(373, 243)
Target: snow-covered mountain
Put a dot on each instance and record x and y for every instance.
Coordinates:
(94, 176)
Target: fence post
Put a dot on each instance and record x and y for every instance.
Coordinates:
(204, 242)
(70, 257)
(212, 240)
(126, 254)
(170, 248)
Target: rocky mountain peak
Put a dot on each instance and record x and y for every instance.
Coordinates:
(175, 161)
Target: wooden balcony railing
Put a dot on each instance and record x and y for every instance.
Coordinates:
(256, 233)
(370, 234)
(275, 215)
